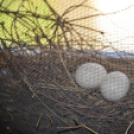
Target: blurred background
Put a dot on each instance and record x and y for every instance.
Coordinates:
(114, 18)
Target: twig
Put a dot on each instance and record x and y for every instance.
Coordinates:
(128, 128)
(50, 118)
(91, 130)
(102, 14)
(72, 8)
(61, 129)
(39, 119)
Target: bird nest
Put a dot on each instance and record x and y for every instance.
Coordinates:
(40, 93)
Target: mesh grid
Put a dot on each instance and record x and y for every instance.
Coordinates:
(39, 93)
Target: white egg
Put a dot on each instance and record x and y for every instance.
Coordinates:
(90, 75)
(115, 86)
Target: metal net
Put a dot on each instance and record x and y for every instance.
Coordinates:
(42, 44)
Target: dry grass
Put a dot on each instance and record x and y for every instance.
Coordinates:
(53, 78)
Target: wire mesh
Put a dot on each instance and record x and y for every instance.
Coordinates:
(39, 55)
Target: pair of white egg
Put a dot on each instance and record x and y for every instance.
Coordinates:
(114, 86)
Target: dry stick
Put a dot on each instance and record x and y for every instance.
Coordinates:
(4, 28)
(27, 14)
(72, 8)
(102, 14)
(89, 28)
(39, 119)
(3, 31)
(60, 129)
(128, 128)
(91, 130)
(50, 118)
(66, 40)
(16, 17)
(52, 9)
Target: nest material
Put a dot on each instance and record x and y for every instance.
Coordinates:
(42, 88)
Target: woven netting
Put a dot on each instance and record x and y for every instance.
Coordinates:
(39, 55)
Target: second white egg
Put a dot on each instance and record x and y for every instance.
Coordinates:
(115, 86)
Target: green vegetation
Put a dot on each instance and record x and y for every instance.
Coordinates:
(35, 22)
(25, 22)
